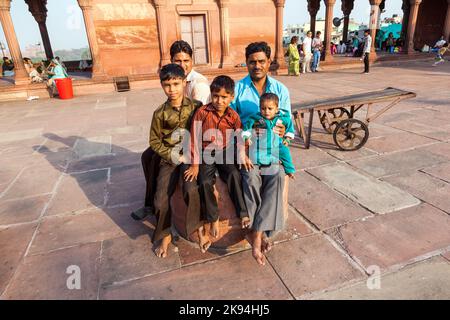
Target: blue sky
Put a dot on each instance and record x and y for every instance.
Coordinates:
(66, 26)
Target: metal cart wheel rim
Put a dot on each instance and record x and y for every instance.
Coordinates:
(323, 118)
(349, 131)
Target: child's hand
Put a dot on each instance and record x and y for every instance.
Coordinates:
(291, 176)
(191, 173)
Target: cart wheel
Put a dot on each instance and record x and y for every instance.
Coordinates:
(351, 134)
(335, 115)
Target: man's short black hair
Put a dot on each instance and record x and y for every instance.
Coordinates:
(367, 31)
(255, 47)
(269, 97)
(180, 46)
(222, 82)
(171, 71)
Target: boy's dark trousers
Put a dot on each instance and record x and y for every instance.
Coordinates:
(150, 164)
(168, 178)
(366, 62)
(207, 179)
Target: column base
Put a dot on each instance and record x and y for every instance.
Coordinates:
(165, 61)
(226, 63)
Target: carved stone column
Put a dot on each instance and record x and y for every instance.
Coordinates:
(412, 25)
(97, 67)
(346, 7)
(279, 54)
(21, 76)
(160, 7)
(224, 32)
(447, 23)
(313, 8)
(374, 16)
(406, 10)
(328, 28)
(38, 9)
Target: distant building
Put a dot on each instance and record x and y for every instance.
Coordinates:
(33, 51)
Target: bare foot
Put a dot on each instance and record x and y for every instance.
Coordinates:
(245, 222)
(204, 241)
(256, 251)
(266, 244)
(161, 250)
(214, 229)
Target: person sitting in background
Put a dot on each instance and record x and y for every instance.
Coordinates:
(84, 65)
(390, 43)
(55, 71)
(355, 44)
(7, 65)
(439, 44)
(61, 63)
(34, 75)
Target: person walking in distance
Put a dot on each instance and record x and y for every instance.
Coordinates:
(366, 50)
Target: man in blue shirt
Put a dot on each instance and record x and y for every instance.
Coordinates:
(257, 181)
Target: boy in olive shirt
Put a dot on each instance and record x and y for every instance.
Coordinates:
(169, 128)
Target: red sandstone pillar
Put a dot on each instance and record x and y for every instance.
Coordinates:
(225, 33)
(313, 8)
(21, 76)
(374, 16)
(447, 23)
(406, 11)
(161, 21)
(97, 68)
(347, 7)
(38, 9)
(328, 28)
(414, 10)
(279, 54)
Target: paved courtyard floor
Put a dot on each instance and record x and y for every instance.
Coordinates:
(371, 224)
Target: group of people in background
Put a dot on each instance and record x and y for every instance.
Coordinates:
(304, 57)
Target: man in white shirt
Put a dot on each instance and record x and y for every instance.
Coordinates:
(366, 51)
(438, 44)
(307, 51)
(197, 85)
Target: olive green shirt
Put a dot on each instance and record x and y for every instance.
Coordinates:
(166, 120)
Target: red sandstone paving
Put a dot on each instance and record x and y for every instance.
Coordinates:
(307, 191)
(232, 277)
(301, 265)
(13, 243)
(395, 238)
(447, 255)
(34, 180)
(425, 187)
(397, 142)
(22, 210)
(124, 258)
(310, 158)
(440, 171)
(78, 192)
(90, 226)
(45, 276)
(393, 163)
(105, 161)
(441, 149)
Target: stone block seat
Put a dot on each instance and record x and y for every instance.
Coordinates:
(231, 236)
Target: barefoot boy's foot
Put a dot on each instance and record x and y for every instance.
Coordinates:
(161, 250)
(204, 241)
(214, 229)
(266, 244)
(256, 249)
(245, 222)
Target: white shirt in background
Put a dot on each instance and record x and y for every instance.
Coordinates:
(307, 45)
(367, 44)
(198, 87)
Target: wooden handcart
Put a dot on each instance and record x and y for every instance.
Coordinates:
(337, 116)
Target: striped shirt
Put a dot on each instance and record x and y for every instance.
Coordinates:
(212, 131)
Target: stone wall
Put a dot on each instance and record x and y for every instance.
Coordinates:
(127, 31)
(430, 22)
